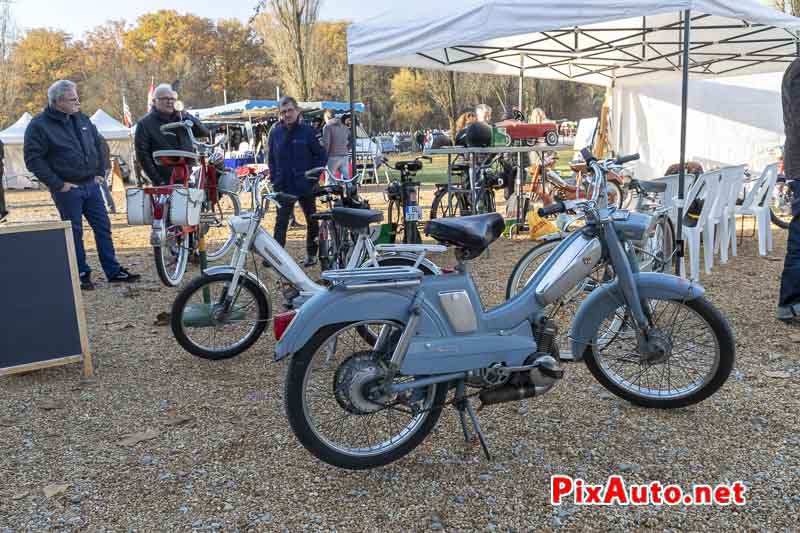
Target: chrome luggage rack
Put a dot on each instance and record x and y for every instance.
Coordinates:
(372, 277)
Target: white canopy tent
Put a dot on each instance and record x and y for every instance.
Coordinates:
(16, 175)
(118, 136)
(605, 42)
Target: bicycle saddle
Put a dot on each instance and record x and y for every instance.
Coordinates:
(355, 218)
(173, 158)
(410, 166)
(648, 186)
(459, 167)
(473, 234)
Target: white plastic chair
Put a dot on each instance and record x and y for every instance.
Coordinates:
(725, 213)
(757, 204)
(706, 186)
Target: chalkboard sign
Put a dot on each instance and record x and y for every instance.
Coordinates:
(41, 311)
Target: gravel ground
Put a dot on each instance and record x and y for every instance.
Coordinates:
(163, 441)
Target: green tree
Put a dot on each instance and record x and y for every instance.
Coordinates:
(42, 57)
(410, 97)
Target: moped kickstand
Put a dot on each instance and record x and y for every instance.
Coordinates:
(464, 409)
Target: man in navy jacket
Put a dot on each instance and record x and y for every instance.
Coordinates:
(63, 150)
(293, 150)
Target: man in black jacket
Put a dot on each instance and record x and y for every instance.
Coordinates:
(789, 299)
(149, 137)
(62, 149)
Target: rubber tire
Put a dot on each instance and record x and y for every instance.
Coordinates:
(265, 314)
(293, 406)
(724, 335)
(326, 262)
(551, 138)
(225, 248)
(614, 187)
(161, 268)
(441, 196)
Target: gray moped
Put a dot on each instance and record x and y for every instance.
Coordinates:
(360, 401)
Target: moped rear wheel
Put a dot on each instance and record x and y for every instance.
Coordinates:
(697, 356)
(171, 256)
(336, 409)
(202, 328)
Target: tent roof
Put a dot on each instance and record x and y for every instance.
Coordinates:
(592, 41)
(108, 126)
(15, 133)
(244, 109)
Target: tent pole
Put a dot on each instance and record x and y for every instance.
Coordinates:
(351, 84)
(520, 175)
(687, 21)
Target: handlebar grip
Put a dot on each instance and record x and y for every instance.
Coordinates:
(587, 155)
(627, 159)
(171, 126)
(552, 209)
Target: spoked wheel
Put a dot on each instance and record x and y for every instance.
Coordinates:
(616, 195)
(203, 328)
(781, 210)
(562, 312)
(337, 408)
(219, 235)
(172, 255)
(328, 255)
(656, 254)
(405, 232)
(691, 354)
(448, 204)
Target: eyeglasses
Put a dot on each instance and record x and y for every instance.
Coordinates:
(167, 99)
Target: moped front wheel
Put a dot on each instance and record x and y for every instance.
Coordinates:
(336, 406)
(693, 357)
(202, 325)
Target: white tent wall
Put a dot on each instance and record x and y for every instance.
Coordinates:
(730, 121)
(119, 138)
(16, 174)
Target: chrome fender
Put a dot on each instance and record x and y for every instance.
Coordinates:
(338, 305)
(603, 300)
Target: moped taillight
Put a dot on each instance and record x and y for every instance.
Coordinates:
(281, 322)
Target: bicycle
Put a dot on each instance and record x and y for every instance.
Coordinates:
(173, 242)
(457, 201)
(224, 311)
(404, 212)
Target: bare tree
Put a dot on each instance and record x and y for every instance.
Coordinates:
(292, 24)
(8, 73)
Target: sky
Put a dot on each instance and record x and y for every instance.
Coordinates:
(78, 16)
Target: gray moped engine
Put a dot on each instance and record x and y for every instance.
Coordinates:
(542, 371)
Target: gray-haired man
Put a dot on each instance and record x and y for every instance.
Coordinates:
(63, 150)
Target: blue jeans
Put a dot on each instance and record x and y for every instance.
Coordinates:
(86, 200)
(790, 279)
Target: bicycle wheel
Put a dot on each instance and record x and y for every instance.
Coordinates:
(172, 255)
(202, 329)
(697, 354)
(327, 247)
(447, 204)
(781, 210)
(334, 406)
(656, 254)
(219, 235)
(616, 196)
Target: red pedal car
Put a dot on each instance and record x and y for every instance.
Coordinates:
(530, 133)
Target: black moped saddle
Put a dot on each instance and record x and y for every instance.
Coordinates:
(473, 233)
(355, 218)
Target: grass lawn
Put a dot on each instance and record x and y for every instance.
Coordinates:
(436, 172)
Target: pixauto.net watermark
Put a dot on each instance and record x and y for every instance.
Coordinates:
(565, 489)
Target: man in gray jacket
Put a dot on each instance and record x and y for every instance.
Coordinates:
(336, 141)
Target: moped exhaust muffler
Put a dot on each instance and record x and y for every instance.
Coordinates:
(543, 374)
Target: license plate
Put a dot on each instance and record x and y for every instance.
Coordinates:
(413, 213)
